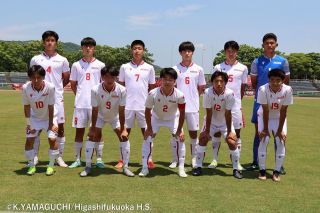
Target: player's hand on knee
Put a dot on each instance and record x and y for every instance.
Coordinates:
(148, 133)
(53, 128)
(281, 135)
(204, 137)
(264, 133)
(179, 135)
(29, 130)
(231, 137)
(124, 135)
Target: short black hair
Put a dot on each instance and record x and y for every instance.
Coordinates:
(36, 69)
(186, 45)
(111, 70)
(170, 72)
(137, 42)
(277, 73)
(231, 44)
(49, 33)
(269, 36)
(219, 73)
(88, 41)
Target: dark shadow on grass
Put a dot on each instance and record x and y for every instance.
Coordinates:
(23, 171)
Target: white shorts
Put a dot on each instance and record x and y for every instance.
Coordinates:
(192, 120)
(237, 118)
(130, 118)
(214, 129)
(81, 118)
(272, 125)
(171, 124)
(39, 125)
(115, 124)
(59, 112)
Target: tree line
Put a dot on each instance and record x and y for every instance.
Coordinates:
(16, 55)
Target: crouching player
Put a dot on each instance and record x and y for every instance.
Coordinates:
(218, 102)
(38, 97)
(274, 98)
(167, 104)
(108, 100)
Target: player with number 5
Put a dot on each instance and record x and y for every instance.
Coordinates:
(85, 74)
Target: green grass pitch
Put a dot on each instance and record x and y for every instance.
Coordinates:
(164, 190)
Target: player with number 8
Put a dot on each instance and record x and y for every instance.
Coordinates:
(85, 74)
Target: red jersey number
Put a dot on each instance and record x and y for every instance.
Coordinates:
(217, 107)
(108, 105)
(187, 80)
(39, 104)
(230, 78)
(88, 76)
(274, 106)
(137, 76)
(165, 108)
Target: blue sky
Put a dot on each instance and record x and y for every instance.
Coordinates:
(163, 25)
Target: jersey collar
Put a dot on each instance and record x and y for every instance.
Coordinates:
(42, 87)
(162, 93)
(44, 53)
(84, 60)
(142, 62)
(114, 87)
(181, 64)
(214, 92)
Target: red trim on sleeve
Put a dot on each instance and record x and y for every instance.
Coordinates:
(182, 106)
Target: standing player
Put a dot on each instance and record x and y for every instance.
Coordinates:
(167, 106)
(191, 83)
(138, 77)
(85, 74)
(218, 102)
(237, 79)
(274, 98)
(38, 97)
(108, 101)
(259, 76)
(58, 73)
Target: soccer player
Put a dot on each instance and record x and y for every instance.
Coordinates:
(237, 79)
(38, 97)
(165, 107)
(85, 74)
(218, 102)
(138, 77)
(191, 82)
(274, 98)
(58, 73)
(108, 101)
(259, 76)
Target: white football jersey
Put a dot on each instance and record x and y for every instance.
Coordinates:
(108, 102)
(38, 101)
(54, 67)
(238, 74)
(165, 107)
(137, 79)
(219, 104)
(87, 75)
(274, 100)
(189, 78)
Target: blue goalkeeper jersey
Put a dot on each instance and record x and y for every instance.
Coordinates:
(262, 65)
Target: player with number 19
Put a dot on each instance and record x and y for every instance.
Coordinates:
(274, 99)
(85, 74)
